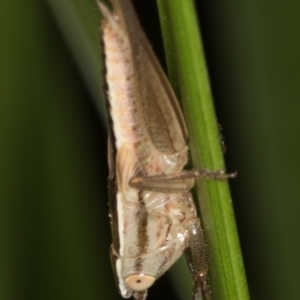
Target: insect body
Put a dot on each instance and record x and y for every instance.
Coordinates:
(153, 216)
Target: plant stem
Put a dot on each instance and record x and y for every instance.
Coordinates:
(188, 74)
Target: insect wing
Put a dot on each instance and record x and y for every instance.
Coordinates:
(164, 118)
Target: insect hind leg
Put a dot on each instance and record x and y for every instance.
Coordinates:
(178, 182)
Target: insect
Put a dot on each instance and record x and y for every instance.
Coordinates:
(153, 216)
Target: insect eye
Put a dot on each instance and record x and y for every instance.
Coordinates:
(139, 282)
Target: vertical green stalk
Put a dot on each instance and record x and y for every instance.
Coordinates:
(189, 76)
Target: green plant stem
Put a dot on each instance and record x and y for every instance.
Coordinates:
(188, 73)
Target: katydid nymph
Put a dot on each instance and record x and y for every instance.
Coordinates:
(153, 216)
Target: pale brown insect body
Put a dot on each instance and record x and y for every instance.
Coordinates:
(152, 211)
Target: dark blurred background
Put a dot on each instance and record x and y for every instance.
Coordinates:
(54, 227)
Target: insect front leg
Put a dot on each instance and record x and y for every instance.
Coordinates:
(195, 250)
(140, 295)
(196, 257)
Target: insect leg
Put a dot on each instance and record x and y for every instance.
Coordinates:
(197, 259)
(140, 295)
(211, 174)
(163, 183)
(177, 183)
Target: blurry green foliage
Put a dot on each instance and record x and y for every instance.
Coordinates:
(54, 224)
